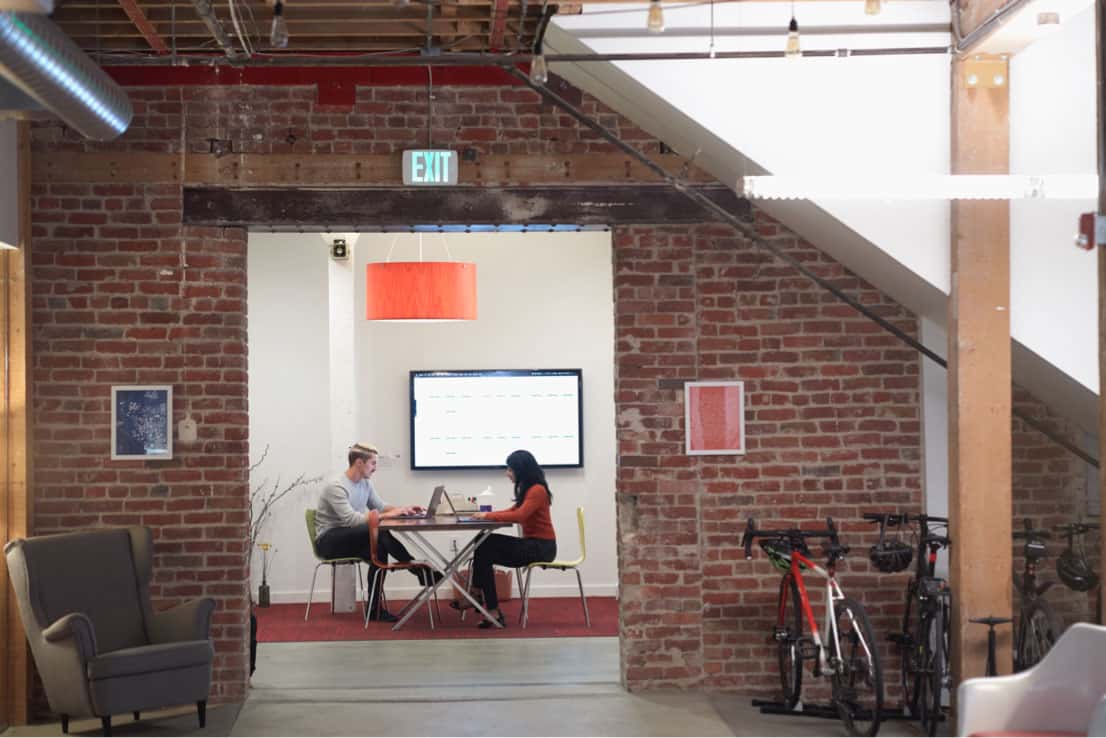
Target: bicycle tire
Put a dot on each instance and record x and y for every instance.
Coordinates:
(857, 675)
(1038, 630)
(908, 660)
(934, 637)
(789, 651)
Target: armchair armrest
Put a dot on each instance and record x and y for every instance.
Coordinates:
(987, 703)
(1097, 726)
(78, 627)
(190, 621)
(1026, 702)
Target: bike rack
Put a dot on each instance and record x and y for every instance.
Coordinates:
(821, 710)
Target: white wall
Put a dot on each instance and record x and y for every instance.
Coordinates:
(1052, 131)
(544, 300)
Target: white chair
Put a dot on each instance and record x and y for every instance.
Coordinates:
(1063, 694)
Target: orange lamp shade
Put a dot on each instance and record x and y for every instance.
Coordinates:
(420, 290)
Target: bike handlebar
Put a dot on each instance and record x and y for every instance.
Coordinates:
(752, 533)
(1031, 532)
(1077, 529)
(895, 519)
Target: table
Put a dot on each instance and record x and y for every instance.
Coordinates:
(411, 531)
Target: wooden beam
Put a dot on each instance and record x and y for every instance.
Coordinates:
(980, 507)
(15, 441)
(259, 170)
(153, 38)
(388, 208)
(499, 25)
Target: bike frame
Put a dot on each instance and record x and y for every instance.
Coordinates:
(834, 594)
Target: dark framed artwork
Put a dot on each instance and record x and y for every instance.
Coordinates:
(141, 422)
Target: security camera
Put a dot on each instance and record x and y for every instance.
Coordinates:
(338, 249)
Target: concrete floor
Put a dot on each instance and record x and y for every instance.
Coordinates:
(555, 687)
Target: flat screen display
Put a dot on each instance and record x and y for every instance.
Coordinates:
(472, 419)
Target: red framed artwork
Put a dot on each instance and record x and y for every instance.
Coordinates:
(714, 417)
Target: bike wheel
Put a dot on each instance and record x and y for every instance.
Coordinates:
(908, 659)
(789, 634)
(934, 648)
(857, 676)
(1038, 630)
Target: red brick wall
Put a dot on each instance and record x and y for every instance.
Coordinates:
(1050, 487)
(123, 294)
(833, 428)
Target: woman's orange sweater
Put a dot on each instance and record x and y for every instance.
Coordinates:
(533, 514)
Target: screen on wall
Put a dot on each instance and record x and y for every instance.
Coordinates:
(472, 419)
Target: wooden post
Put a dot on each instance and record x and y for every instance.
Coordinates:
(15, 465)
(1100, 87)
(980, 507)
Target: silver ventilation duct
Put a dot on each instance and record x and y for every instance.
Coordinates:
(40, 60)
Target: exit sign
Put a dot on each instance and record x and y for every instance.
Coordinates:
(430, 167)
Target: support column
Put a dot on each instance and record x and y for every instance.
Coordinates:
(15, 434)
(980, 508)
(1100, 87)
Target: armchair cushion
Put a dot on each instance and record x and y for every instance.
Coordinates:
(149, 659)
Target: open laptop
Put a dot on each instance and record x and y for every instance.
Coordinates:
(431, 507)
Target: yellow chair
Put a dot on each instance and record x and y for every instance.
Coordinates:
(309, 516)
(563, 566)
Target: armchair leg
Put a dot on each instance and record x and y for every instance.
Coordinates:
(65, 724)
(106, 722)
(201, 709)
(137, 716)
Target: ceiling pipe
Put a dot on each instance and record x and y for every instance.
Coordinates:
(42, 62)
(767, 31)
(207, 14)
(508, 60)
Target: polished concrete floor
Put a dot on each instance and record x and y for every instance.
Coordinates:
(554, 687)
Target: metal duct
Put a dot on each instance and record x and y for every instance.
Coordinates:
(37, 57)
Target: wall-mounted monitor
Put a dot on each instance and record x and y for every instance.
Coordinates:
(472, 419)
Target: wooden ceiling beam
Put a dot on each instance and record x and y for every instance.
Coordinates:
(499, 25)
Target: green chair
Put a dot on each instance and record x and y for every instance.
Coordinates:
(563, 566)
(309, 516)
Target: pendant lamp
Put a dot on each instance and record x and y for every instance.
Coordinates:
(420, 290)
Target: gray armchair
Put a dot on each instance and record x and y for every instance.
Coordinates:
(99, 647)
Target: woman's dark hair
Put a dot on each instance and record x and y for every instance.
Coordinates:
(527, 474)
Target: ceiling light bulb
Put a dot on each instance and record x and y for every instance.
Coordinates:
(655, 24)
(872, 7)
(792, 50)
(539, 70)
(278, 33)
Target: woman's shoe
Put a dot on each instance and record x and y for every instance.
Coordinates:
(500, 618)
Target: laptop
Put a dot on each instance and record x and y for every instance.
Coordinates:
(431, 507)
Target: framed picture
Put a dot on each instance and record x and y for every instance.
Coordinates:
(714, 418)
(141, 422)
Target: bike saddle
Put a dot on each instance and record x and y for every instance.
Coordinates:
(991, 620)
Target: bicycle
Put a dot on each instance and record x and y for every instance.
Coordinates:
(924, 639)
(848, 656)
(1037, 625)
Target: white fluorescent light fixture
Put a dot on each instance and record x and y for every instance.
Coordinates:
(920, 187)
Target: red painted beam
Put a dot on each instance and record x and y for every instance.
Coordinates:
(499, 25)
(324, 77)
(144, 26)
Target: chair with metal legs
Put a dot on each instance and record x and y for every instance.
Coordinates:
(381, 568)
(562, 566)
(309, 516)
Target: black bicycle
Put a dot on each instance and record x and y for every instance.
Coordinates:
(1037, 625)
(923, 641)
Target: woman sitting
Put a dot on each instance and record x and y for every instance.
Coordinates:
(538, 542)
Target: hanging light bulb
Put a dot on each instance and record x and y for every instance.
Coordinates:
(872, 7)
(278, 33)
(539, 70)
(655, 24)
(792, 50)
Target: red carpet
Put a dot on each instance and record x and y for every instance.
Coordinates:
(549, 617)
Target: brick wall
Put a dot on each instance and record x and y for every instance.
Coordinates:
(833, 429)
(1050, 487)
